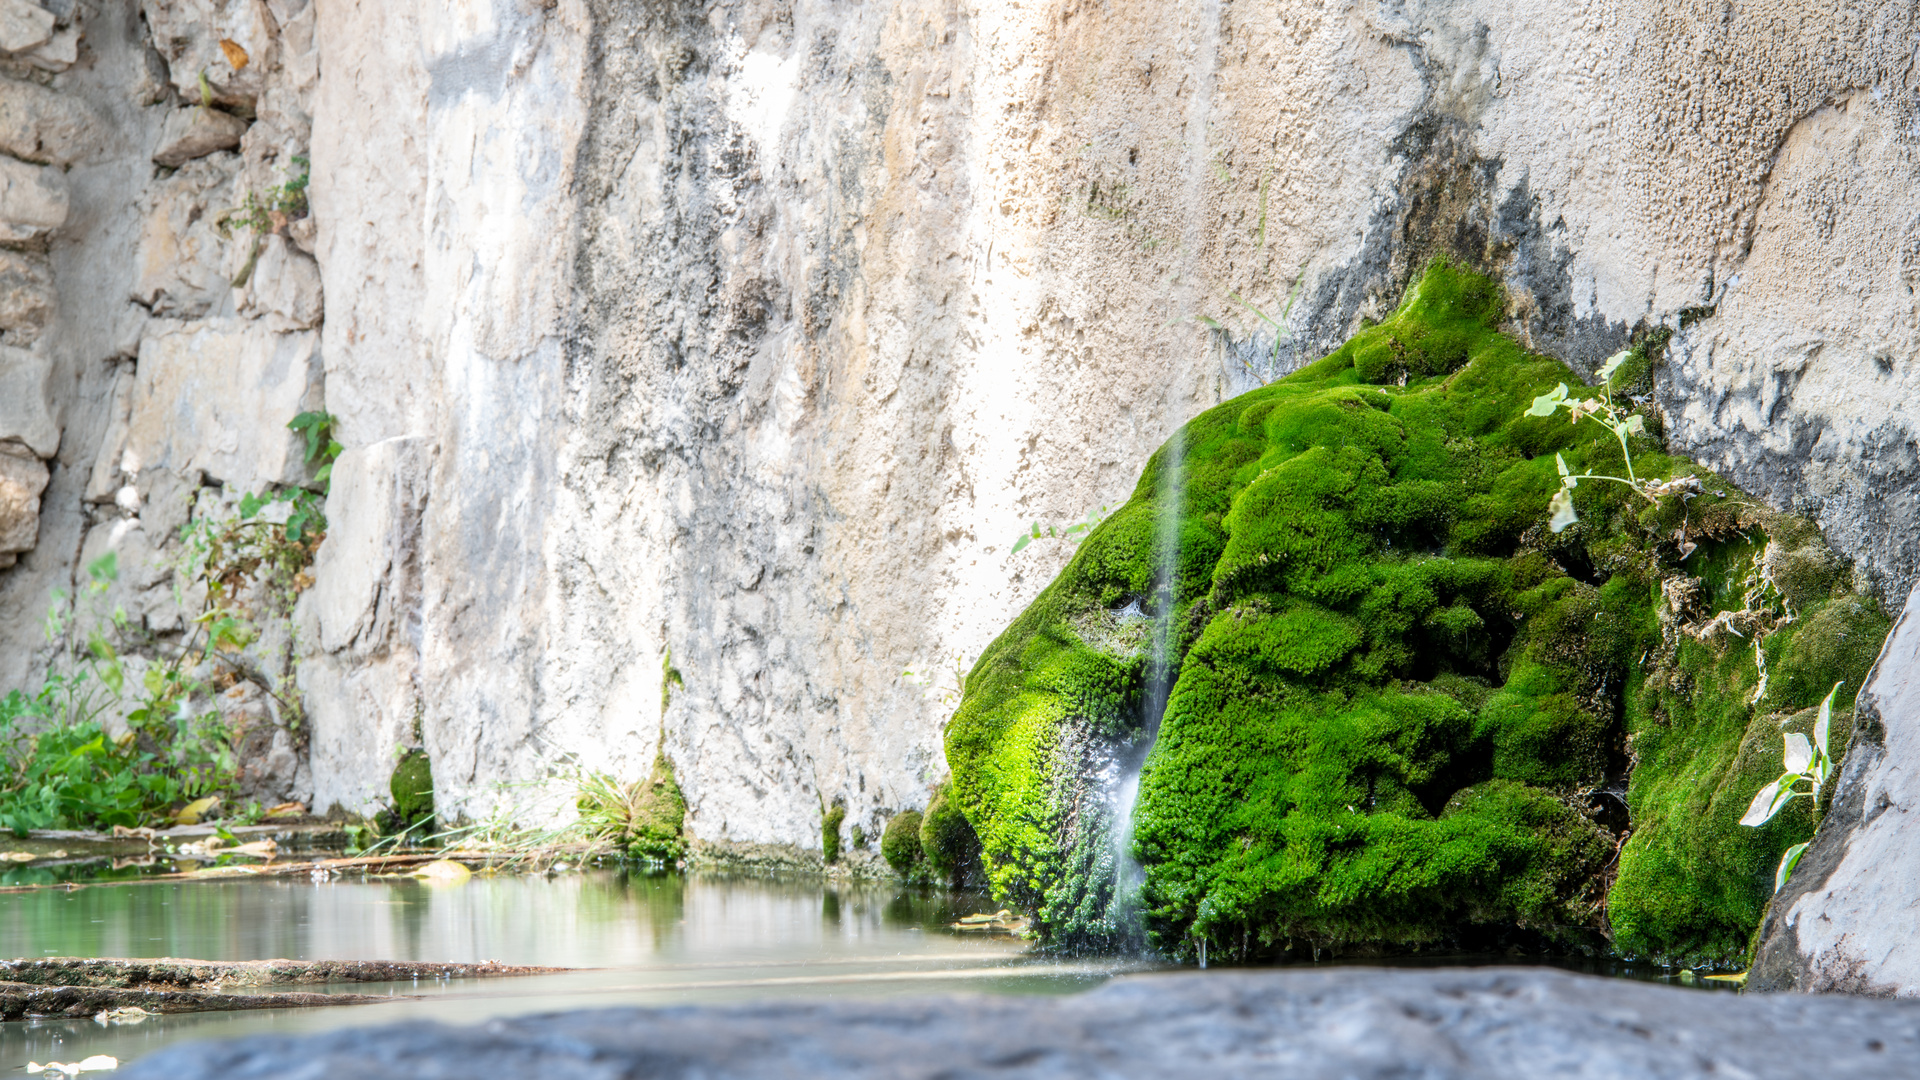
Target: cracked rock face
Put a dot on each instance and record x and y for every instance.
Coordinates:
(1486, 1024)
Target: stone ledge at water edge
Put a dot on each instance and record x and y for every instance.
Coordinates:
(1351, 1022)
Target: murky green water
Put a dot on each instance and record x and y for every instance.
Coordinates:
(657, 940)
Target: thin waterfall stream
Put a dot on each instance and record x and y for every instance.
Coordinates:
(1130, 877)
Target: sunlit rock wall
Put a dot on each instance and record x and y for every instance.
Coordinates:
(754, 332)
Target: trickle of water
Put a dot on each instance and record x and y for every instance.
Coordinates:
(1129, 875)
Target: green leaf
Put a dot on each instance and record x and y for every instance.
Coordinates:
(105, 568)
(1823, 726)
(1020, 543)
(1545, 404)
(1635, 424)
(1787, 862)
(1613, 364)
(1561, 463)
(251, 504)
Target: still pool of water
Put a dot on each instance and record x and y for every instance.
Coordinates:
(659, 939)
(637, 938)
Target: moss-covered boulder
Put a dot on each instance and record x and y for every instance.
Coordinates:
(1404, 711)
(411, 787)
(900, 843)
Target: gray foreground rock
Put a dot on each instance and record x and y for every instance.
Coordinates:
(1349, 1023)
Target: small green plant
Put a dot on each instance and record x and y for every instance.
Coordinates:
(58, 768)
(830, 832)
(1805, 762)
(1073, 534)
(1622, 424)
(644, 818)
(269, 211)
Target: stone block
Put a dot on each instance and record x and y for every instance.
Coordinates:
(144, 589)
(23, 476)
(24, 413)
(23, 25)
(367, 571)
(216, 394)
(360, 716)
(27, 296)
(188, 35)
(267, 768)
(33, 200)
(181, 252)
(195, 132)
(41, 124)
(284, 287)
(57, 53)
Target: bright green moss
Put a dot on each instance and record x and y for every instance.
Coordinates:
(412, 787)
(900, 843)
(1404, 710)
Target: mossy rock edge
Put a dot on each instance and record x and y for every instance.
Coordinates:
(1406, 714)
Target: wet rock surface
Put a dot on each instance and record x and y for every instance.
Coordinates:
(19, 1001)
(1357, 1022)
(167, 973)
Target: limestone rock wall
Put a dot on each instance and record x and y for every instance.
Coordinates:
(741, 339)
(157, 321)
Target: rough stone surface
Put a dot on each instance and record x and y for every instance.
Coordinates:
(216, 394)
(25, 416)
(284, 289)
(33, 200)
(1842, 923)
(40, 124)
(268, 769)
(20, 1001)
(169, 973)
(196, 132)
(23, 25)
(1356, 1023)
(188, 33)
(360, 680)
(181, 252)
(23, 476)
(27, 297)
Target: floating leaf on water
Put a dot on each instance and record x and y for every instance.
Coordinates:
(287, 809)
(235, 55)
(443, 872)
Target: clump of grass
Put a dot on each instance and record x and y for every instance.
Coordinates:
(641, 818)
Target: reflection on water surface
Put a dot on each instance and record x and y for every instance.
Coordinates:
(656, 939)
(650, 939)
